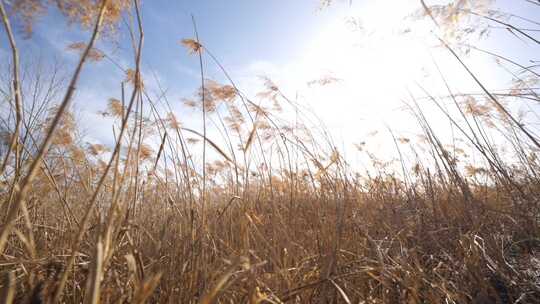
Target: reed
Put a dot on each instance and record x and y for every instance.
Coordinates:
(273, 212)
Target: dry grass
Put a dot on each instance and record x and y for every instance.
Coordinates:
(274, 214)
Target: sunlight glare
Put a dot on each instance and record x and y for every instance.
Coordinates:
(372, 54)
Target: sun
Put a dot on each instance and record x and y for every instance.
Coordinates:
(372, 50)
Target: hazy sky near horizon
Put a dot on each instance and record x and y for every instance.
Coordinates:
(292, 42)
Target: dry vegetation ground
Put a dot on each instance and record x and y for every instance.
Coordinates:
(274, 216)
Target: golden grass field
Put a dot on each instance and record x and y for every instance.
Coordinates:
(272, 214)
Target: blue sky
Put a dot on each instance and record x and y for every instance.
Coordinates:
(290, 41)
(238, 32)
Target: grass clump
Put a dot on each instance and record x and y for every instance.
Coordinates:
(273, 213)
